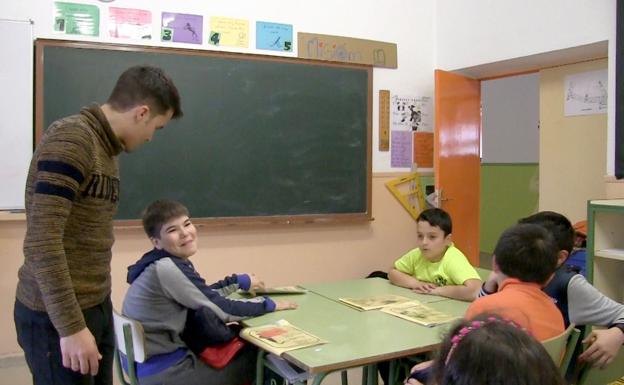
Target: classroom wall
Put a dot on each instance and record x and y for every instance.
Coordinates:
(572, 162)
(508, 192)
(472, 33)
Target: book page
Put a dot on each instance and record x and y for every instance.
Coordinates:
(417, 312)
(279, 337)
(279, 290)
(374, 302)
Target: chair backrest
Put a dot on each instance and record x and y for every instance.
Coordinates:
(560, 346)
(595, 376)
(130, 340)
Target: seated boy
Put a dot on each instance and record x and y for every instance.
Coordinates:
(579, 302)
(436, 266)
(164, 286)
(524, 259)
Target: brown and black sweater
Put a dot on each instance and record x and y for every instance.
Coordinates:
(71, 196)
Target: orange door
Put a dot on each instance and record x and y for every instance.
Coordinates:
(457, 162)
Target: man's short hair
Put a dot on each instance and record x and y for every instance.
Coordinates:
(160, 212)
(437, 217)
(556, 224)
(527, 252)
(146, 85)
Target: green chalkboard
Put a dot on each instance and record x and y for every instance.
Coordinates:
(262, 138)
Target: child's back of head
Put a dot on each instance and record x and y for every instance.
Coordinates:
(557, 225)
(492, 351)
(527, 252)
(437, 218)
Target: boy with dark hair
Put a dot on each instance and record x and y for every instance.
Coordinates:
(436, 266)
(72, 192)
(524, 259)
(579, 302)
(164, 287)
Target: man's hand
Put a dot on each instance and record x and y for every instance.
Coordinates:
(603, 346)
(285, 305)
(256, 283)
(80, 352)
(423, 287)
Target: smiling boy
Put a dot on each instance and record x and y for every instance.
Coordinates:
(436, 266)
(164, 287)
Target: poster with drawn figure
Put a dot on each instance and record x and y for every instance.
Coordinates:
(129, 23)
(228, 32)
(274, 36)
(76, 19)
(181, 28)
(585, 93)
(411, 113)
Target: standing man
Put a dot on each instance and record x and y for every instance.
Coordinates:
(63, 311)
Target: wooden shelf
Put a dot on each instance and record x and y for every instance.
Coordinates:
(611, 254)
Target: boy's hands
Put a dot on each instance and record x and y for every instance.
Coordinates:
(80, 352)
(423, 287)
(603, 346)
(256, 283)
(285, 305)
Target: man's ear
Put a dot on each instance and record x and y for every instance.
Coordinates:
(156, 243)
(141, 112)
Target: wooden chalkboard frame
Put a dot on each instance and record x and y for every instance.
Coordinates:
(41, 44)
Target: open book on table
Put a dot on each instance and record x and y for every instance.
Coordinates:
(417, 312)
(279, 337)
(374, 302)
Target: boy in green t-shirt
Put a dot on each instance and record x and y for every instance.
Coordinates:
(436, 266)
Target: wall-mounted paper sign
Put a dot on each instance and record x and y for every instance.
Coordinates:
(274, 36)
(346, 49)
(229, 32)
(129, 23)
(76, 19)
(181, 28)
(585, 93)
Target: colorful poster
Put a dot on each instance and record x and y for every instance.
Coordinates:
(274, 36)
(401, 149)
(411, 113)
(423, 149)
(586, 93)
(129, 23)
(181, 28)
(229, 32)
(76, 19)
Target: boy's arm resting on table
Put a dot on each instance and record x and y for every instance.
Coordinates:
(186, 287)
(402, 279)
(59, 176)
(231, 283)
(466, 292)
(588, 306)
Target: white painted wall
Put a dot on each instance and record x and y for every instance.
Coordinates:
(476, 32)
(407, 23)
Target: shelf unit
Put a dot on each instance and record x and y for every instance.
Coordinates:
(605, 246)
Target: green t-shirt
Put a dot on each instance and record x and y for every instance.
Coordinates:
(452, 269)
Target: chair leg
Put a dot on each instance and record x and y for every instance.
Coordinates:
(344, 377)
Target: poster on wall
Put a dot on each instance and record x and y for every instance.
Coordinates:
(129, 23)
(76, 19)
(274, 36)
(401, 149)
(181, 28)
(585, 93)
(228, 32)
(411, 113)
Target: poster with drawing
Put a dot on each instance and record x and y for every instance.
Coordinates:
(411, 113)
(585, 93)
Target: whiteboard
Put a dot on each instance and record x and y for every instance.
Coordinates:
(16, 110)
